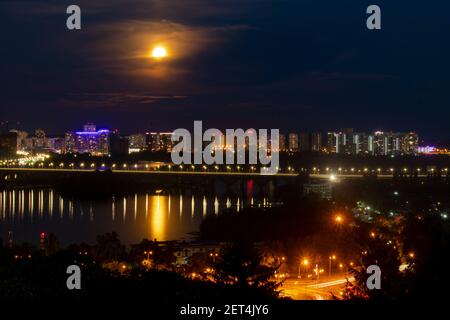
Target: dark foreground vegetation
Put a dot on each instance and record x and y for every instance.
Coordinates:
(110, 271)
(401, 225)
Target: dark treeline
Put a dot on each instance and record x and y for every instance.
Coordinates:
(113, 272)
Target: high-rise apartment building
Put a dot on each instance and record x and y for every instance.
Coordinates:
(303, 142)
(293, 142)
(159, 141)
(282, 143)
(410, 143)
(316, 141)
(91, 140)
(137, 142)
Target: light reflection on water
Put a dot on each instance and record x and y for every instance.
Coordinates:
(160, 216)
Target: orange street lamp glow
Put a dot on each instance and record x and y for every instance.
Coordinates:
(338, 219)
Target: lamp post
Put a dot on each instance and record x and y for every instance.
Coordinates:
(305, 262)
(333, 257)
(148, 253)
(214, 255)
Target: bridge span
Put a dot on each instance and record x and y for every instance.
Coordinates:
(320, 176)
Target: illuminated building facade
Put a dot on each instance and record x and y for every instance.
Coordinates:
(378, 144)
(293, 142)
(95, 142)
(323, 190)
(303, 142)
(316, 141)
(137, 142)
(159, 141)
(282, 143)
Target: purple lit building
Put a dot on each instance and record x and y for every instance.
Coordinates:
(90, 140)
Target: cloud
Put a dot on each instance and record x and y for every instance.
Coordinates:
(116, 100)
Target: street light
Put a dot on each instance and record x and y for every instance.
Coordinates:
(214, 255)
(304, 262)
(148, 253)
(339, 219)
(333, 257)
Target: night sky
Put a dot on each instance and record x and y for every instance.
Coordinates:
(296, 65)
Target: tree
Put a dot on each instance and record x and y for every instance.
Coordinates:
(426, 247)
(109, 248)
(198, 262)
(386, 256)
(240, 266)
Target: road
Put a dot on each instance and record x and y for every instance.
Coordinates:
(150, 171)
(324, 289)
(203, 172)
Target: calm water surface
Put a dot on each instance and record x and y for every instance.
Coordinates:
(162, 216)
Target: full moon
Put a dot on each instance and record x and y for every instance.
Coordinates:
(159, 53)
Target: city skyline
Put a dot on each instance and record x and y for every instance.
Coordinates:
(93, 140)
